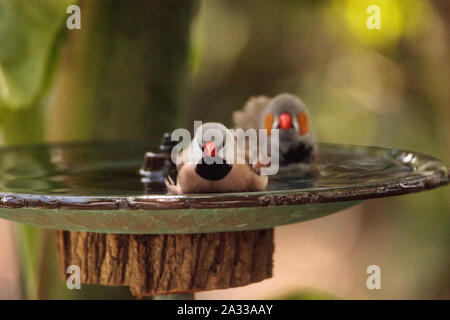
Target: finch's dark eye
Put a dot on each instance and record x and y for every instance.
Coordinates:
(220, 146)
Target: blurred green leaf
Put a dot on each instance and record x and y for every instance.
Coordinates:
(308, 294)
(123, 61)
(28, 30)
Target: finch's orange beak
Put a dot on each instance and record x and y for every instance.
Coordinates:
(209, 149)
(285, 121)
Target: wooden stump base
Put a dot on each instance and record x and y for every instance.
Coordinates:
(163, 264)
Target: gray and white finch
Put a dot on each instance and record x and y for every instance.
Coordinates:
(288, 114)
(213, 171)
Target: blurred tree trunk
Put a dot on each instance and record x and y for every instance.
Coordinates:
(120, 77)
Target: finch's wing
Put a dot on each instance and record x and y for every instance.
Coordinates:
(250, 115)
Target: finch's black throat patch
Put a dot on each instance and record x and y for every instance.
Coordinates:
(298, 153)
(213, 171)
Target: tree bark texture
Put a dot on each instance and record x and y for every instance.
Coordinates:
(163, 264)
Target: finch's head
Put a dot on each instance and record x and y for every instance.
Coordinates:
(211, 140)
(289, 115)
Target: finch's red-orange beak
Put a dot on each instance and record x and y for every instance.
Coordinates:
(209, 149)
(285, 121)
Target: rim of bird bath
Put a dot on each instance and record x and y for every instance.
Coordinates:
(96, 187)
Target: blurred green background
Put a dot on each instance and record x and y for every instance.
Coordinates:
(138, 68)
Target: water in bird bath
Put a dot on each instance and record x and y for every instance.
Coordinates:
(113, 169)
(97, 187)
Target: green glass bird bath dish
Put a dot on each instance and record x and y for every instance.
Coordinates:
(96, 187)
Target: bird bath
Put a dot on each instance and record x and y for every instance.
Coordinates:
(96, 190)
